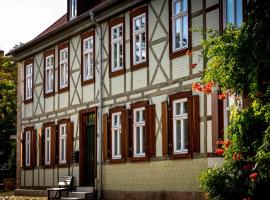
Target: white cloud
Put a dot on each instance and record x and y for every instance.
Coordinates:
(22, 20)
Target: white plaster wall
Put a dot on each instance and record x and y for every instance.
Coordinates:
(211, 3)
(28, 177)
(196, 5)
(48, 177)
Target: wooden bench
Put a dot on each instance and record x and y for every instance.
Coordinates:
(65, 185)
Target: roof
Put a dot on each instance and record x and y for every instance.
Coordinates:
(60, 22)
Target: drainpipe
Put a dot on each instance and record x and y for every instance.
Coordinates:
(99, 29)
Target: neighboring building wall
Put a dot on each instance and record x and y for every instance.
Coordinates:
(163, 77)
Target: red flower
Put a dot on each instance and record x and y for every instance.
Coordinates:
(219, 152)
(219, 142)
(253, 176)
(237, 156)
(194, 65)
(209, 84)
(221, 96)
(227, 143)
(247, 167)
(188, 53)
(208, 87)
(196, 87)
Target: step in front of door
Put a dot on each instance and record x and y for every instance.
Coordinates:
(82, 195)
(84, 189)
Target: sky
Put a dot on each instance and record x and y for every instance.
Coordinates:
(23, 20)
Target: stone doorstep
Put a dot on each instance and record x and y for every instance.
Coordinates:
(81, 195)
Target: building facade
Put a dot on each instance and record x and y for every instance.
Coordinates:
(104, 95)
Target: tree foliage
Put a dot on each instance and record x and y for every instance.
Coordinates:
(239, 62)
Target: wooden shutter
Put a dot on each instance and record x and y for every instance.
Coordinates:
(23, 149)
(41, 142)
(69, 142)
(125, 133)
(150, 130)
(54, 143)
(165, 128)
(105, 137)
(196, 124)
(33, 152)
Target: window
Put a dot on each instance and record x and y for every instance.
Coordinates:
(139, 132)
(28, 81)
(62, 143)
(139, 38)
(180, 126)
(28, 148)
(49, 73)
(73, 9)
(63, 67)
(47, 145)
(88, 55)
(116, 135)
(180, 24)
(117, 47)
(233, 12)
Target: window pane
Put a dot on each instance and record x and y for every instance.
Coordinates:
(114, 33)
(176, 7)
(239, 13)
(185, 31)
(138, 144)
(137, 24)
(115, 55)
(115, 120)
(137, 116)
(143, 115)
(184, 5)
(121, 55)
(185, 134)
(119, 143)
(143, 46)
(120, 31)
(115, 142)
(178, 134)
(62, 149)
(177, 34)
(137, 48)
(177, 108)
(229, 11)
(185, 107)
(143, 22)
(143, 139)
(47, 152)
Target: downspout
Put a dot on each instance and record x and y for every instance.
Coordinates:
(92, 16)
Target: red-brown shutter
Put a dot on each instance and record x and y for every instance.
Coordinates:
(69, 141)
(125, 133)
(215, 120)
(41, 143)
(150, 121)
(190, 125)
(170, 128)
(54, 143)
(165, 128)
(23, 149)
(105, 137)
(33, 148)
(196, 124)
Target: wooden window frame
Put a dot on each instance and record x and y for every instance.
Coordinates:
(182, 51)
(61, 137)
(133, 14)
(32, 148)
(46, 55)
(63, 47)
(113, 23)
(26, 64)
(85, 36)
(112, 111)
(28, 150)
(48, 140)
(234, 12)
(193, 124)
(142, 126)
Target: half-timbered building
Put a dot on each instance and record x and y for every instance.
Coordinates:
(104, 95)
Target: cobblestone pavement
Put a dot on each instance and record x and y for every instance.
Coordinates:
(10, 196)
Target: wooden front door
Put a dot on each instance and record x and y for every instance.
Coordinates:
(88, 147)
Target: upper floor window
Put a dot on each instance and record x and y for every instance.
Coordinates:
(116, 135)
(179, 24)
(63, 74)
(233, 12)
(62, 143)
(49, 72)
(88, 50)
(28, 148)
(48, 145)
(28, 81)
(117, 47)
(139, 132)
(139, 38)
(73, 9)
(180, 126)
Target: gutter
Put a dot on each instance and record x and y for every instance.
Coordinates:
(99, 29)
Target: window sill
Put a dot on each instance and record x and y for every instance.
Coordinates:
(117, 161)
(178, 53)
(139, 159)
(87, 82)
(117, 73)
(28, 101)
(62, 90)
(181, 156)
(139, 66)
(46, 95)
